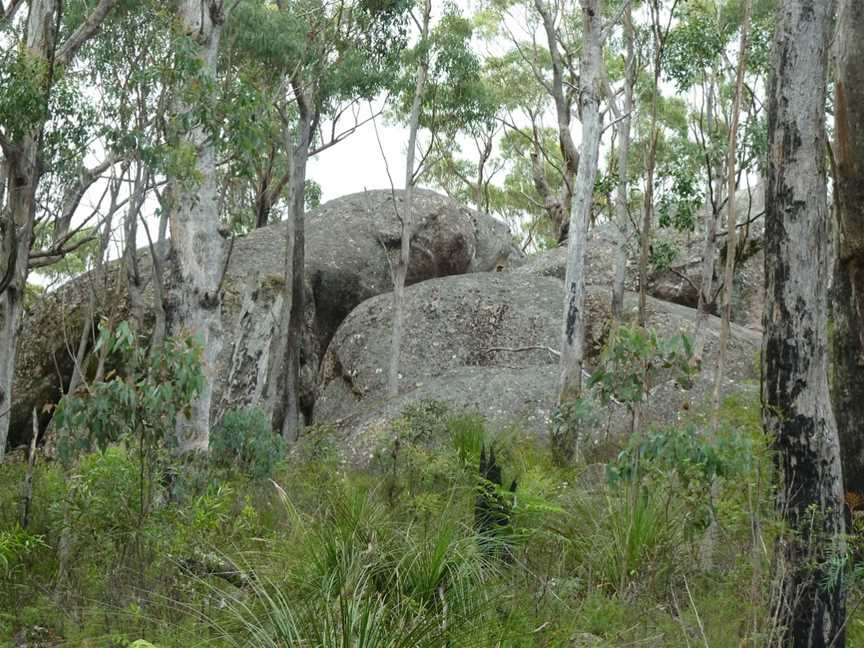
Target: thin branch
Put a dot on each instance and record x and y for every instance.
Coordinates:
(607, 30)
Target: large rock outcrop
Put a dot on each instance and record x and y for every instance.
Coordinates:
(680, 282)
(487, 343)
(349, 244)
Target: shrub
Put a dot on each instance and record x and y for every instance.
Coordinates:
(243, 440)
(570, 421)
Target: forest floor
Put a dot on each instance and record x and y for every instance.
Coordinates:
(446, 539)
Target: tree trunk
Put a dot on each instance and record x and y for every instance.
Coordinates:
(295, 275)
(621, 198)
(559, 207)
(732, 219)
(137, 306)
(848, 293)
(23, 172)
(796, 411)
(197, 247)
(573, 331)
(648, 206)
(400, 269)
(709, 249)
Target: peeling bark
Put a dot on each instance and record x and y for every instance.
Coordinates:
(797, 413)
(196, 246)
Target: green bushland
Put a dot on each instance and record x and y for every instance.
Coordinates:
(455, 535)
(311, 550)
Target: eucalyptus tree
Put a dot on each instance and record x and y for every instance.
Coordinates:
(732, 217)
(197, 248)
(693, 58)
(623, 115)
(529, 150)
(848, 290)
(304, 68)
(696, 59)
(406, 214)
(797, 413)
(547, 74)
(660, 26)
(32, 69)
(441, 93)
(591, 91)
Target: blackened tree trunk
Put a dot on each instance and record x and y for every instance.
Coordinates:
(796, 411)
(197, 248)
(848, 293)
(573, 333)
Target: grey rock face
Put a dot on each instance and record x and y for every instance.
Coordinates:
(486, 343)
(349, 242)
(452, 323)
(679, 283)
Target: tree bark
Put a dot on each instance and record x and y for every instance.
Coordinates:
(621, 196)
(573, 330)
(709, 249)
(559, 207)
(796, 411)
(406, 216)
(23, 172)
(731, 217)
(848, 293)
(295, 275)
(196, 246)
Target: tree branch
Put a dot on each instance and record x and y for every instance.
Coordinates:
(85, 31)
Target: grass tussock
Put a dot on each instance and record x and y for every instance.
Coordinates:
(450, 538)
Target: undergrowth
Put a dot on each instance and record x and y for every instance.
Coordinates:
(452, 536)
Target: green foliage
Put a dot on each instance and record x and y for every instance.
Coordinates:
(330, 558)
(17, 546)
(143, 404)
(663, 254)
(694, 45)
(455, 97)
(244, 441)
(570, 423)
(634, 359)
(23, 98)
(680, 203)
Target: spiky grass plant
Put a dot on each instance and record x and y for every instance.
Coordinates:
(361, 578)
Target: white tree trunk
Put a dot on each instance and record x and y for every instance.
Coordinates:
(573, 330)
(797, 411)
(23, 172)
(622, 216)
(196, 246)
(406, 216)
